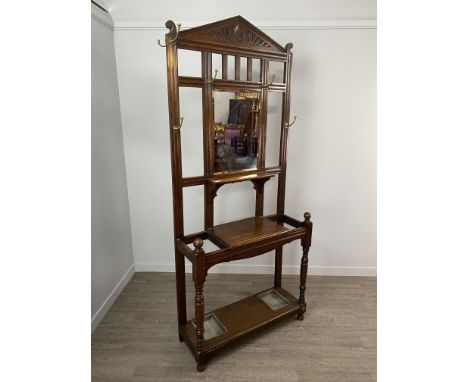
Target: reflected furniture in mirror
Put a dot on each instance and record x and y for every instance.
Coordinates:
(236, 130)
(234, 126)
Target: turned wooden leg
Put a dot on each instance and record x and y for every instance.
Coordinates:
(302, 287)
(200, 325)
(199, 274)
(199, 315)
(304, 265)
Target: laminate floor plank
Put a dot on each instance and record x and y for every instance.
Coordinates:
(137, 341)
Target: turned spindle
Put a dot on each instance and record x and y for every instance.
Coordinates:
(199, 278)
(304, 265)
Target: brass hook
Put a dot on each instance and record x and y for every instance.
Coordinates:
(271, 83)
(176, 128)
(288, 125)
(209, 82)
(171, 40)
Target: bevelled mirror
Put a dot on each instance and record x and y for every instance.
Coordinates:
(236, 128)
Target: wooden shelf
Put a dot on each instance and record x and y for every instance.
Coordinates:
(241, 319)
(231, 177)
(246, 231)
(220, 179)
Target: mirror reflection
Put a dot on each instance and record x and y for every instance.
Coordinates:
(236, 130)
(273, 128)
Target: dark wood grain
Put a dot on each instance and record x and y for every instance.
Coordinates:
(254, 248)
(249, 68)
(283, 157)
(244, 238)
(241, 319)
(237, 64)
(176, 165)
(199, 274)
(231, 36)
(224, 60)
(235, 178)
(247, 230)
(226, 84)
(190, 82)
(231, 177)
(208, 149)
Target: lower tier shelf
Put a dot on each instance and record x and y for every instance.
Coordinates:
(235, 321)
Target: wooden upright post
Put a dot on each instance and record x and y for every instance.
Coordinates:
(176, 164)
(283, 158)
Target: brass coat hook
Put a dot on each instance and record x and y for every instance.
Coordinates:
(209, 82)
(170, 40)
(288, 125)
(177, 128)
(271, 83)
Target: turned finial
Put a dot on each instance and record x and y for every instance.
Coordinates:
(307, 216)
(173, 30)
(173, 33)
(198, 243)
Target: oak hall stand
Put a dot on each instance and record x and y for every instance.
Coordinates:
(234, 141)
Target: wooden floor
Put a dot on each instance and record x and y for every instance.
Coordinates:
(137, 341)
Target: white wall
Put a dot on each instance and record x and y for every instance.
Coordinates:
(331, 160)
(213, 10)
(111, 255)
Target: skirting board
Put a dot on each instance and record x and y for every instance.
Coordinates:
(109, 301)
(265, 269)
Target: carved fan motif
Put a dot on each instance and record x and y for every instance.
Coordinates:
(237, 34)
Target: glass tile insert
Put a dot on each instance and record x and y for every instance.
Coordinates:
(273, 299)
(213, 326)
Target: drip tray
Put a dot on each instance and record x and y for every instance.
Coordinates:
(273, 299)
(213, 327)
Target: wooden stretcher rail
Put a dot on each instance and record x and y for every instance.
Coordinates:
(244, 251)
(254, 248)
(197, 82)
(291, 221)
